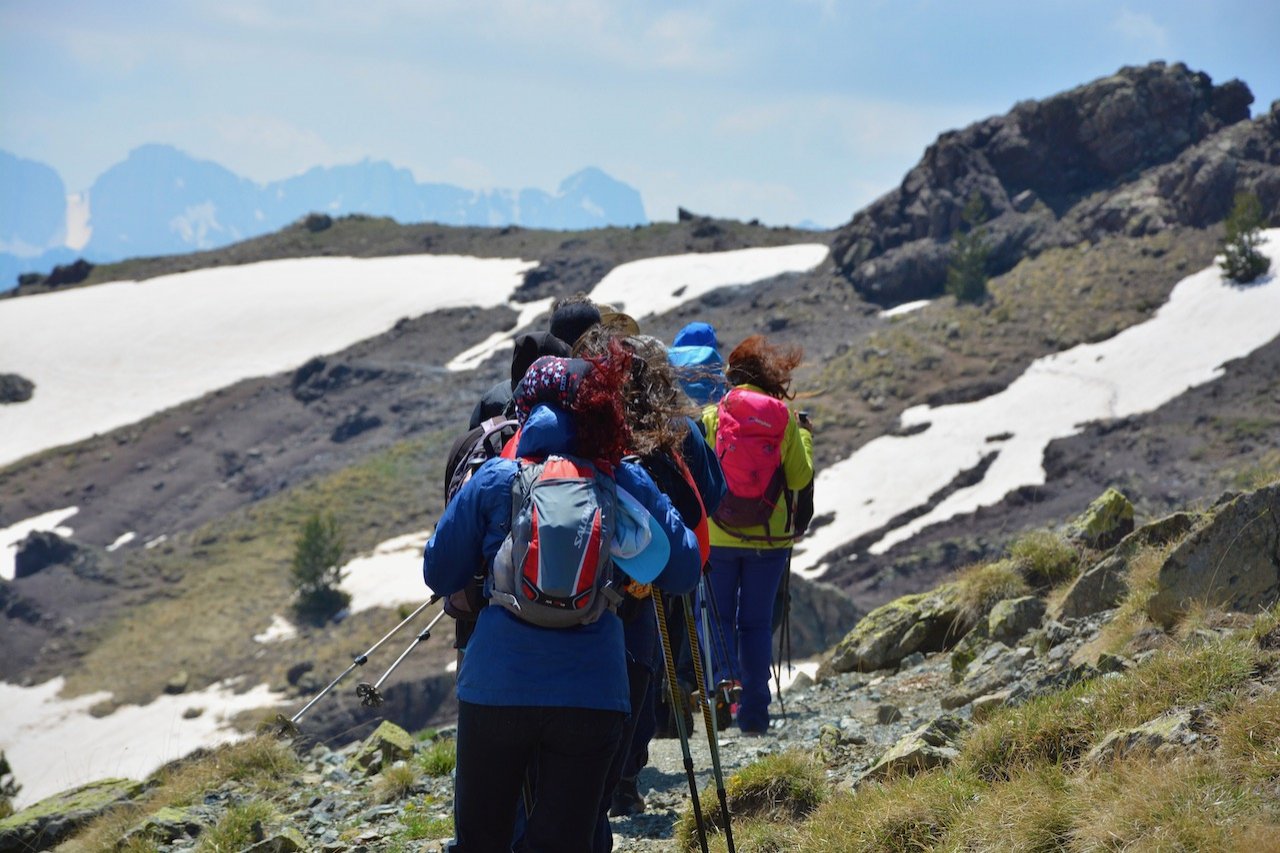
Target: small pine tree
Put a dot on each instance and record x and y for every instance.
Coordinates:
(9, 787)
(1241, 260)
(317, 569)
(967, 271)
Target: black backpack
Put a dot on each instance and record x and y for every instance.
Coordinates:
(469, 452)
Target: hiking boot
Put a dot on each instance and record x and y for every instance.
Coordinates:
(626, 799)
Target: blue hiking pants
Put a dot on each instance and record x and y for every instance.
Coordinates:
(744, 583)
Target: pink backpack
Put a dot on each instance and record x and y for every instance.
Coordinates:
(749, 435)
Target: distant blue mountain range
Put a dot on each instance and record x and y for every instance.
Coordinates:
(161, 201)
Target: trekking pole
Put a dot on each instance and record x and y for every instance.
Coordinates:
(360, 660)
(368, 693)
(708, 712)
(677, 705)
(784, 637)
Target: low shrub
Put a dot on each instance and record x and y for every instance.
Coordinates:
(982, 585)
(777, 788)
(240, 827)
(1045, 559)
(439, 758)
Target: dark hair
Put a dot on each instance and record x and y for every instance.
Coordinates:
(598, 411)
(572, 316)
(768, 366)
(652, 399)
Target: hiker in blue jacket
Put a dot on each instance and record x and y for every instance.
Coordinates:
(551, 700)
(695, 354)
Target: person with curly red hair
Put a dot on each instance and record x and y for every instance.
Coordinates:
(767, 455)
(546, 702)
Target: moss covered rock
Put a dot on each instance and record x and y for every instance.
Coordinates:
(934, 744)
(48, 822)
(1104, 585)
(1107, 520)
(1230, 560)
(925, 622)
(388, 743)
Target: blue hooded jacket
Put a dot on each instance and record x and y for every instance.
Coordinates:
(698, 364)
(508, 661)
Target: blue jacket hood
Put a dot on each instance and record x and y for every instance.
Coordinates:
(548, 429)
(696, 335)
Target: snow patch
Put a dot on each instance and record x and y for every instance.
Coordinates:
(472, 358)
(13, 534)
(54, 744)
(116, 353)
(122, 540)
(278, 631)
(1206, 322)
(905, 308)
(656, 285)
(390, 576)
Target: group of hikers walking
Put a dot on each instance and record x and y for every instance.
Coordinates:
(608, 496)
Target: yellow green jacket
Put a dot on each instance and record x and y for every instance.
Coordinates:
(797, 467)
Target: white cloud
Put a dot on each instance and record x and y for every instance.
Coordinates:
(1143, 29)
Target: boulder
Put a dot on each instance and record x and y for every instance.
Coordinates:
(1107, 520)
(165, 826)
(923, 622)
(353, 424)
(886, 714)
(1231, 560)
(998, 666)
(39, 550)
(283, 840)
(388, 744)
(43, 825)
(1103, 585)
(15, 388)
(1011, 618)
(932, 745)
(1168, 733)
(178, 683)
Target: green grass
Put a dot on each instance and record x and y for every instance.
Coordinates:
(439, 758)
(1045, 559)
(236, 572)
(776, 789)
(240, 827)
(984, 584)
(418, 824)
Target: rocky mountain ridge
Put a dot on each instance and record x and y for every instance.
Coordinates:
(161, 201)
(1134, 153)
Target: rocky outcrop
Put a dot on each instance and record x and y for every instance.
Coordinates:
(1171, 732)
(41, 549)
(1035, 165)
(1104, 523)
(1103, 585)
(15, 388)
(934, 744)
(914, 623)
(388, 743)
(43, 825)
(1231, 560)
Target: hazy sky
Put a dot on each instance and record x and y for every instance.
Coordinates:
(785, 110)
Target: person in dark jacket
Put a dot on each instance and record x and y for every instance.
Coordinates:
(549, 700)
(497, 401)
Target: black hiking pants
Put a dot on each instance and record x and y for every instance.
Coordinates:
(569, 749)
